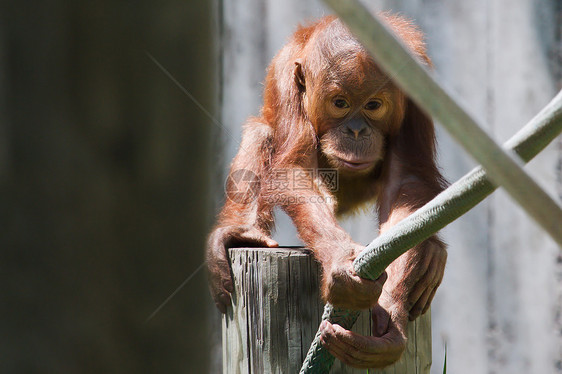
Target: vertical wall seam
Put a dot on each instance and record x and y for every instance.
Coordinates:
(558, 267)
(556, 55)
(491, 336)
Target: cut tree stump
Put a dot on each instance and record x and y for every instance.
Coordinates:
(277, 310)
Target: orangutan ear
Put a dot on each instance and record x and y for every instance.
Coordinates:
(299, 76)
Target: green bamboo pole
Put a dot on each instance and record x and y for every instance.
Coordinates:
(450, 204)
(504, 168)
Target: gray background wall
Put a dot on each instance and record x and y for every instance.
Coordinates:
(499, 309)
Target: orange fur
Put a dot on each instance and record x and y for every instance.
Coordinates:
(320, 91)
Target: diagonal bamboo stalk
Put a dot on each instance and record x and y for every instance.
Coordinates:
(503, 167)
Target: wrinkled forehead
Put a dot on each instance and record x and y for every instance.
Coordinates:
(337, 58)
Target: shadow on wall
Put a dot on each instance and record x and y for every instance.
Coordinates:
(104, 179)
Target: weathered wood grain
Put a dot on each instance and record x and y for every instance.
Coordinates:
(276, 312)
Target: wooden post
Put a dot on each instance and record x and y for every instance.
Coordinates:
(276, 312)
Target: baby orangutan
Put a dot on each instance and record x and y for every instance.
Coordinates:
(327, 106)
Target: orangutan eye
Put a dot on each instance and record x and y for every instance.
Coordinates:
(373, 105)
(341, 103)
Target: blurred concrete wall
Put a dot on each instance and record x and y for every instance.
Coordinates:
(104, 185)
(499, 308)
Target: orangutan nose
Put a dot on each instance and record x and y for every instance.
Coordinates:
(356, 127)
